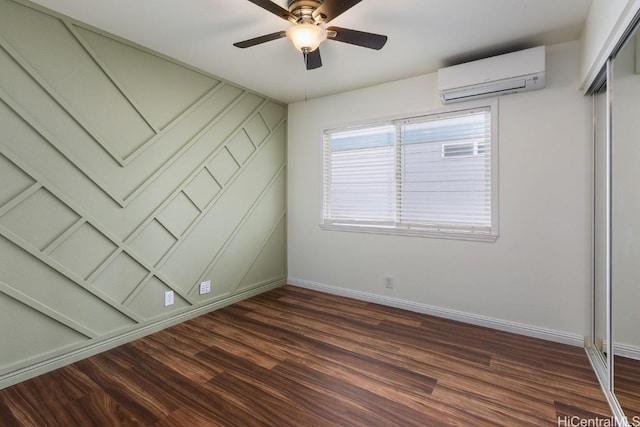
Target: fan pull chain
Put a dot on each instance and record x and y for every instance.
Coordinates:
(306, 72)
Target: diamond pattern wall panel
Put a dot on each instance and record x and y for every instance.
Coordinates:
(72, 251)
(39, 219)
(124, 175)
(13, 180)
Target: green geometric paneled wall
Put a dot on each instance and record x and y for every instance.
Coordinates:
(124, 174)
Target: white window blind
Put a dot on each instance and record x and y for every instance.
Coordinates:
(430, 174)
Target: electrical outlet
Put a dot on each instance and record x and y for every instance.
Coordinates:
(388, 282)
(205, 287)
(168, 298)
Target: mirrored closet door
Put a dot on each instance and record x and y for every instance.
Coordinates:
(625, 226)
(615, 346)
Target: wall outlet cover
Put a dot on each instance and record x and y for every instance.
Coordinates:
(388, 282)
(205, 287)
(168, 298)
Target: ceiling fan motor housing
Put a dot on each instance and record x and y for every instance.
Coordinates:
(303, 10)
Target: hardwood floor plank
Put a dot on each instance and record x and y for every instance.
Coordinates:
(355, 405)
(627, 386)
(23, 411)
(265, 407)
(414, 339)
(7, 418)
(335, 313)
(296, 357)
(185, 417)
(127, 389)
(561, 385)
(47, 395)
(276, 348)
(290, 392)
(176, 340)
(489, 411)
(189, 366)
(294, 345)
(247, 351)
(413, 395)
(98, 409)
(169, 385)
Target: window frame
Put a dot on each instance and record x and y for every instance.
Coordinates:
(440, 232)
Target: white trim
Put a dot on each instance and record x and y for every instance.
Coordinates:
(623, 350)
(53, 363)
(412, 232)
(626, 350)
(623, 23)
(473, 319)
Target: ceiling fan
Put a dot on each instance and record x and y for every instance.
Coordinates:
(309, 19)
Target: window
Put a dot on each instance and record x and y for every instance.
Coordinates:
(431, 175)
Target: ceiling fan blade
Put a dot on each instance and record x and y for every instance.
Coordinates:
(262, 39)
(332, 8)
(270, 6)
(358, 38)
(313, 59)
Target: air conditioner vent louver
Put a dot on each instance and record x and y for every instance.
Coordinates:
(499, 75)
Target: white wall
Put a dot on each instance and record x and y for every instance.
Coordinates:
(605, 24)
(538, 273)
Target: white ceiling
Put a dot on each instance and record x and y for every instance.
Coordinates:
(424, 35)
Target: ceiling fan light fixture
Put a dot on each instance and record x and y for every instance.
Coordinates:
(306, 37)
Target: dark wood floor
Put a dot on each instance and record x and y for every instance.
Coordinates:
(301, 358)
(627, 386)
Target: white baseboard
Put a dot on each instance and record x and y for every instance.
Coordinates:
(626, 350)
(474, 319)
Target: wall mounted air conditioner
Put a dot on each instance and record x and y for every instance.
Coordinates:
(499, 75)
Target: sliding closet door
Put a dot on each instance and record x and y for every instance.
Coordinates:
(626, 226)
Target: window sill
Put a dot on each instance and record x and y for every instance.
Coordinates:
(449, 235)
